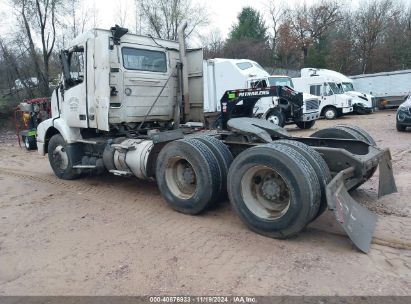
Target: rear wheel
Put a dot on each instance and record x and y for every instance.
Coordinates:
(361, 132)
(60, 160)
(188, 176)
(330, 113)
(272, 188)
(349, 132)
(337, 132)
(305, 124)
(276, 116)
(223, 156)
(320, 167)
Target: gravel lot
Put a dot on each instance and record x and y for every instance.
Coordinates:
(109, 235)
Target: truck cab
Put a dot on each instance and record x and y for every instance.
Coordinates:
(108, 86)
(362, 103)
(333, 101)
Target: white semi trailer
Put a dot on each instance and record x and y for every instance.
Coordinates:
(124, 104)
(389, 88)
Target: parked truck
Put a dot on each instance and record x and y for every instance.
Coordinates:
(389, 88)
(125, 104)
(221, 74)
(333, 101)
(362, 103)
(280, 113)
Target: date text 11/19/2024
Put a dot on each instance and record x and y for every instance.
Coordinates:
(202, 299)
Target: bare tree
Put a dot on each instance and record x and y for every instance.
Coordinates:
(213, 44)
(370, 20)
(38, 17)
(121, 13)
(310, 24)
(161, 18)
(275, 10)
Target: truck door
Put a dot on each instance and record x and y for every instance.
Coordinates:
(328, 95)
(145, 79)
(74, 101)
(99, 84)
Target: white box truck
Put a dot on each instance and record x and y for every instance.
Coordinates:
(362, 103)
(389, 88)
(333, 101)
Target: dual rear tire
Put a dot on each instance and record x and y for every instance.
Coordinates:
(277, 188)
(191, 173)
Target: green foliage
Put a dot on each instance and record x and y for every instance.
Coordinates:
(250, 25)
(315, 58)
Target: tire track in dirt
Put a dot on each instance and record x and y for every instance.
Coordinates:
(152, 214)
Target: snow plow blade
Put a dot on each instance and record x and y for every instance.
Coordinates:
(357, 221)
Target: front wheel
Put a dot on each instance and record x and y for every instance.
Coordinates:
(60, 160)
(330, 113)
(276, 116)
(305, 124)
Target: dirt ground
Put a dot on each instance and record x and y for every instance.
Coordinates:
(109, 235)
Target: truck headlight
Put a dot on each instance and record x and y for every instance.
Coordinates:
(349, 102)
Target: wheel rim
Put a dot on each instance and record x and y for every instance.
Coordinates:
(273, 119)
(265, 193)
(60, 157)
(181, 178)
(26, 142)
(330, 114)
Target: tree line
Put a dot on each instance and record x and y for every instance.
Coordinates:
(371, 37)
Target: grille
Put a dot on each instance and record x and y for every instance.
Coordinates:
(311, 104)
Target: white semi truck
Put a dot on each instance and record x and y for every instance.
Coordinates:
(389, 88)
(333, 101)
(275, 112)
(124, 105)
(362, 103)
(222, 74)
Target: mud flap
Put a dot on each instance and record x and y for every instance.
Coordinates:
(357, 221)
(387, 182)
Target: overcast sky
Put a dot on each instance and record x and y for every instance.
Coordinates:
(222, 13)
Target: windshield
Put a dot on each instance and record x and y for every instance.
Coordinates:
(281, 81)
(347, 86)
(334, 88)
